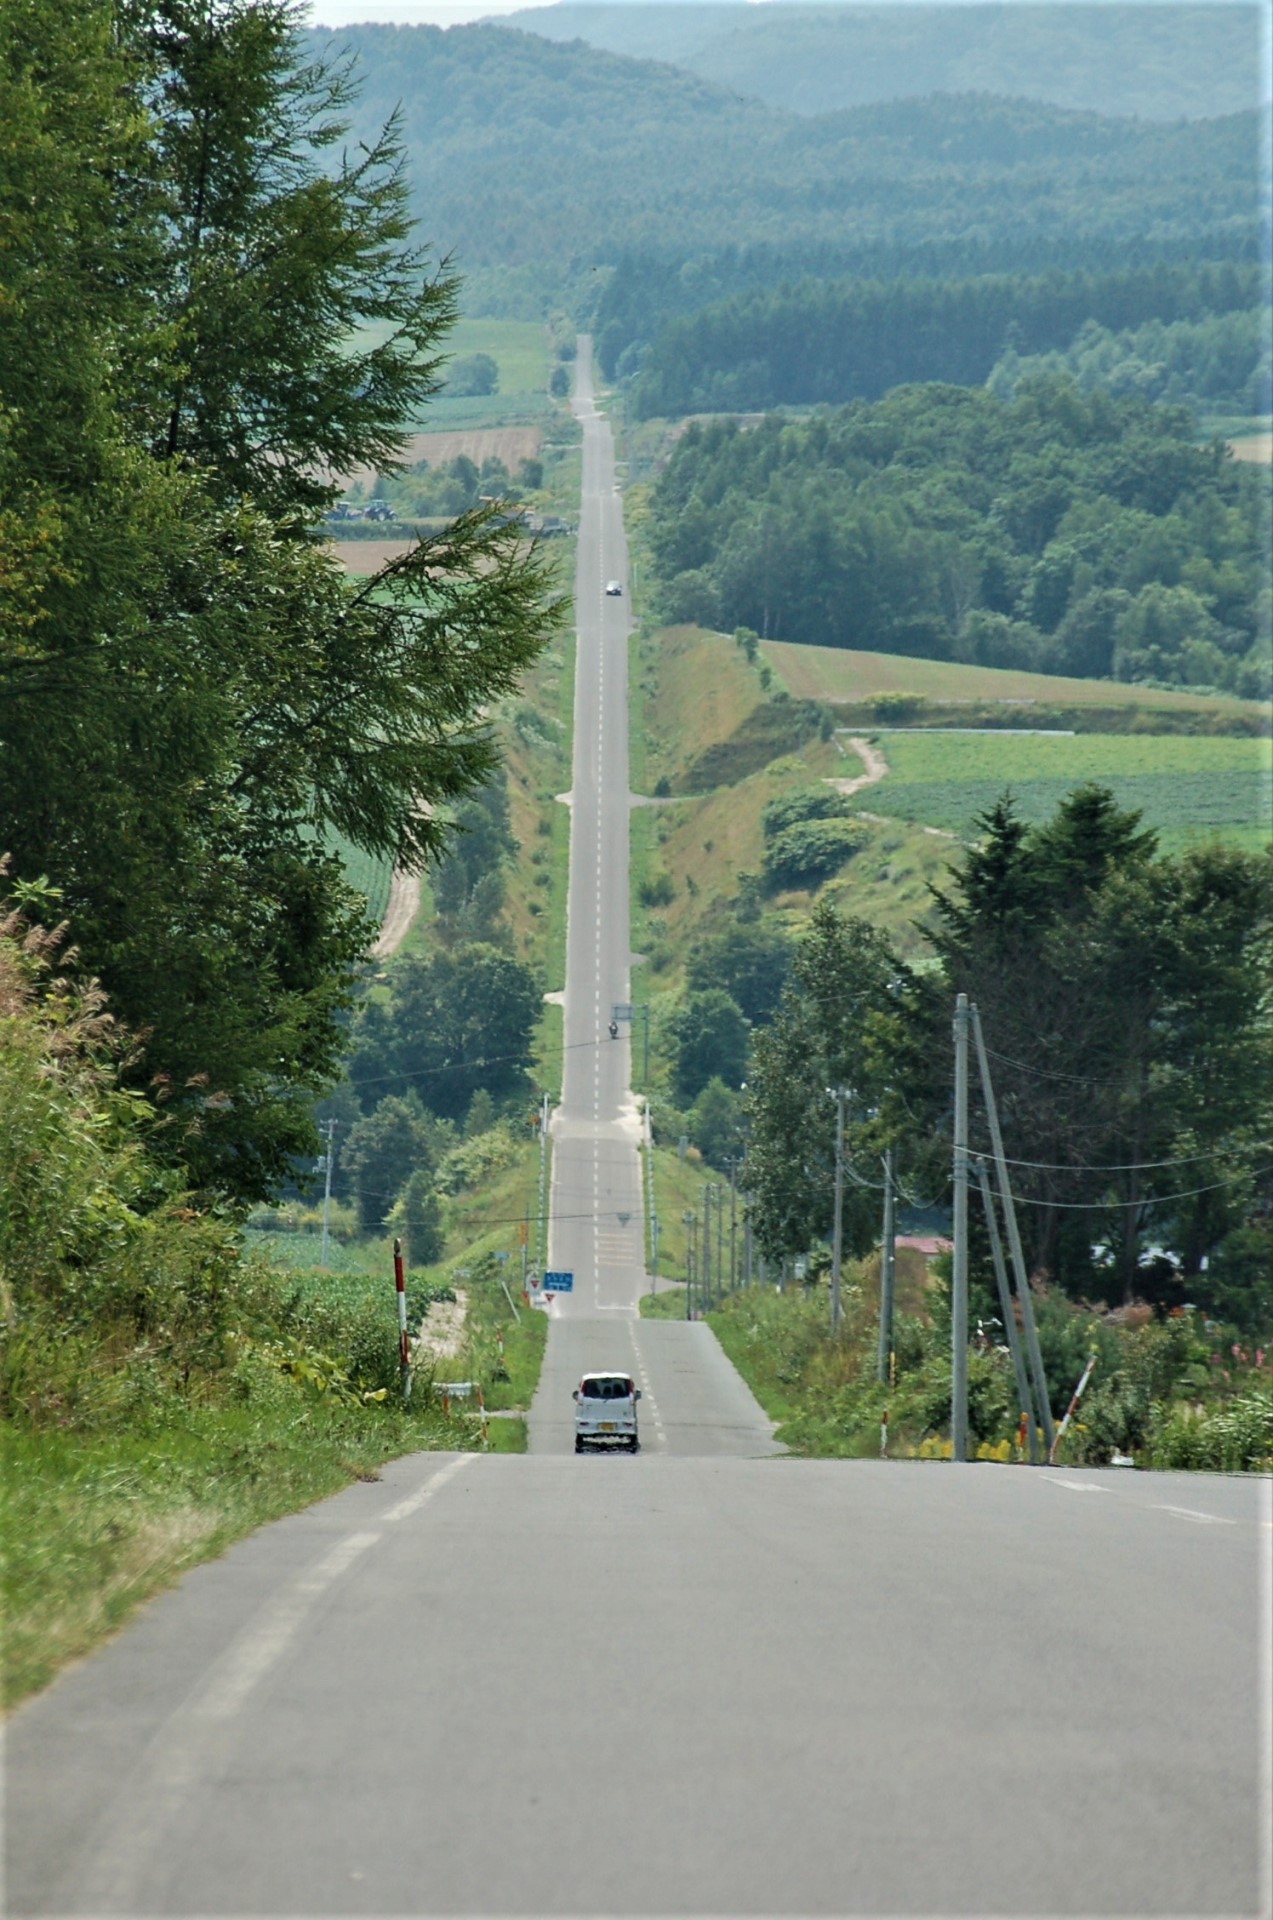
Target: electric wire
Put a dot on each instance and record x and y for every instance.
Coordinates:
(1128, 1166)
(1148, 1200)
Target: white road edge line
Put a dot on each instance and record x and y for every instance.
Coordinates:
(1192, 1513)
(434, 1484)
(187, 1743)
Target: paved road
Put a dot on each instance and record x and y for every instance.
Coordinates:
(697, 1681)
(676, 1685)
(693, 1401)
(595, 1215)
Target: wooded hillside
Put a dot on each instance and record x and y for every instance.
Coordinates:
(1060, 532)
(537, 162)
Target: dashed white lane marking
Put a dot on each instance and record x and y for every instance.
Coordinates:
(1192, 1513)
(192, 1743)
(647, 1394)
(1077, 1486)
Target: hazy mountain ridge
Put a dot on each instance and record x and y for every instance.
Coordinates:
(549, 159)
(1157, 62)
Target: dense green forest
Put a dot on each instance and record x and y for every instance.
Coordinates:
(649, 287)
(536, 163)
(832, 341)
(1058, 531)
(1156, 62)
(1223, 363)
(192, 692)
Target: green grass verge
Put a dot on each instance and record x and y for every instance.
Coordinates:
(96, 1524)
(678, 1190)
(663, 1306)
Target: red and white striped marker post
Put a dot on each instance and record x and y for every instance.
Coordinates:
(404, 1344)
(1076, 1397)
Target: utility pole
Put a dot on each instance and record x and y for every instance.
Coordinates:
(959, 1275)
(1024, 1397)
(651, 1215)
(720, 1244)
(747, 1241)
(543, 1183)
(1014, 1240)
(887, 1250)
(733, 1225)
(839, 1095)
(329, 1128)
(705, 1252)
(688, 1221)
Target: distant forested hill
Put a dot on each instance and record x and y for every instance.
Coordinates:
(832, 341)
(535, 163)
(1157, 62)
(1062, 532)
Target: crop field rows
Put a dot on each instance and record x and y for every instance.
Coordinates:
(1187, 788)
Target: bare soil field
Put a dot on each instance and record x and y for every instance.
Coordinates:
(509, 444)
(368, 556)
(1256, 447)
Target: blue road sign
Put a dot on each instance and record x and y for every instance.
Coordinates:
(559, 1282)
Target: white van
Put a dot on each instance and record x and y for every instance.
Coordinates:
(605, 1412)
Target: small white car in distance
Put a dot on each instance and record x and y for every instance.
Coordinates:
(614, 588)
(605, 1412)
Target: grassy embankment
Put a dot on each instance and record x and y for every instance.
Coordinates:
(844, 678)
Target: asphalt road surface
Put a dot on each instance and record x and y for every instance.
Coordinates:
(703, 1680)
(678, 1685)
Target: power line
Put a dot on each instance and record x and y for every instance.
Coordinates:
(466, 1066)
(1049, 1073)
(1150, 1200)
(1130, 1166)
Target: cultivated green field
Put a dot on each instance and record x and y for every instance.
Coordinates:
(1188, 788)
(838, 675)
(368, 874)
(521, 350)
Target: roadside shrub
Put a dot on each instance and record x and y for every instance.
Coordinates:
(657, 891)
(808, 854)
(807, 803)
(477, 1160)
(895, 708)
(1237, 1438)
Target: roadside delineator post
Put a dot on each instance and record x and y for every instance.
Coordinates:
(884, 1435)
(481, 1408)
(1074, 1400)
(404, 1343)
